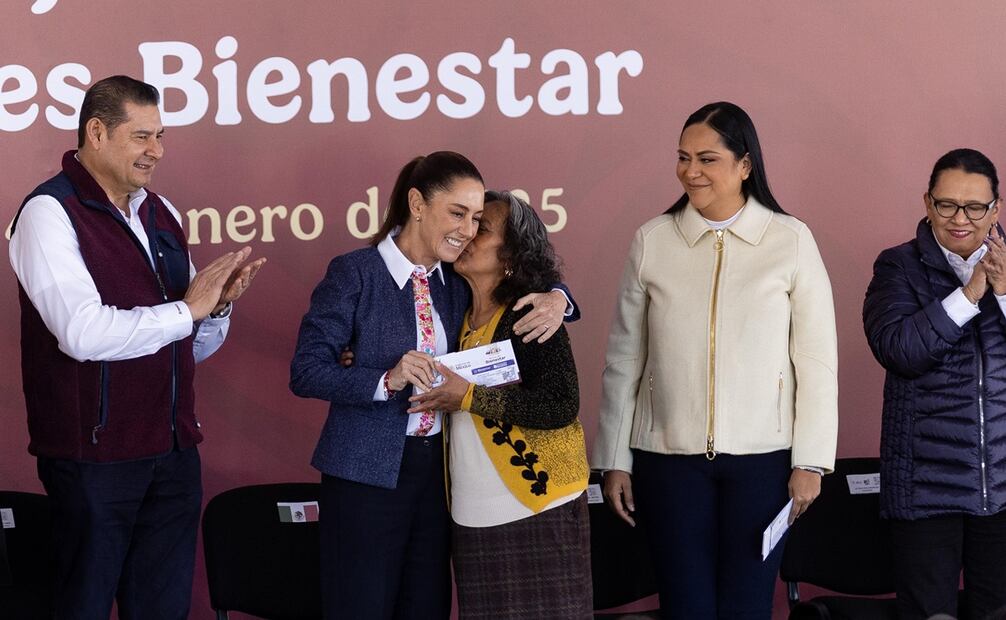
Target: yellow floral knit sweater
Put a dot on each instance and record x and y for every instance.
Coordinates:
(530, 430)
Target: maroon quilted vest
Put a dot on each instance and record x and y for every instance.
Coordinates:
(107, 411)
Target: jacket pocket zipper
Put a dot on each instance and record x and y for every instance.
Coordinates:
(652, 412)
(102, 402)
(778, 406)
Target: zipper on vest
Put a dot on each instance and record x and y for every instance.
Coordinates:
(174, 385)
(152, 260)
(102, 403)
(174, 365)
(981, 420)
(174, 348)
(157, 274)
(710, 438)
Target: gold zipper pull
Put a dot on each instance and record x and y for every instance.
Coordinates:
(710, 453)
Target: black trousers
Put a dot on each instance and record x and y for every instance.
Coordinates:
(929, 555)
(704, 521)
(385, 553)
(125, 532)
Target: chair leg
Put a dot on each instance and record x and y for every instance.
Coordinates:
(792, 593)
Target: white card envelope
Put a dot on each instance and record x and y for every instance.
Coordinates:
(773, 533)
(490, 365)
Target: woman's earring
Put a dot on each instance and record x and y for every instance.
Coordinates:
(507, 272)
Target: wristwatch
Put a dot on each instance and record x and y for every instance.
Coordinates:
(226, 312)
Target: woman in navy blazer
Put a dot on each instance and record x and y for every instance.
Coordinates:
(383, 511)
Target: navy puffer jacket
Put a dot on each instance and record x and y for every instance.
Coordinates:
(943, 439)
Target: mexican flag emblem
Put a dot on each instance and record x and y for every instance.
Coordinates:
(297, 512)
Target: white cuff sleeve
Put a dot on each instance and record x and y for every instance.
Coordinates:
(380, 393)
(1002, 303)
(959, 308)
(569, 304)
(816, 470)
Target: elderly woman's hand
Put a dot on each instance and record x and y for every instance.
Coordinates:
(445, 397)
(804, 487)
(544, 319)
(994, 263)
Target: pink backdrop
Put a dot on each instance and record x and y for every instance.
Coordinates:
(853, 102)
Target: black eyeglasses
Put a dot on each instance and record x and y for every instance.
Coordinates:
(973, 210)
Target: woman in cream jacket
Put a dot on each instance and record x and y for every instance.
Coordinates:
(720, 390)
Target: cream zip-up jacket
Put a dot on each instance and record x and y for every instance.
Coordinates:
(722, 341)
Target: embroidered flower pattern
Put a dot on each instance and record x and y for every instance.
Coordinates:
(428, 340)
(522, 458)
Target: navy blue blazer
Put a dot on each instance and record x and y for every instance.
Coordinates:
(359, 305)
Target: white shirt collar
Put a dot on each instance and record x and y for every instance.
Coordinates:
(399, 266)
(962, 268)
(957, 259)
(715, 225)
(135, 200)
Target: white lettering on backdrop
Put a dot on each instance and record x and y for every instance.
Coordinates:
(41, 7)
(404, 85)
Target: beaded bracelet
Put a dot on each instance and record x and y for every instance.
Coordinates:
(387, 385)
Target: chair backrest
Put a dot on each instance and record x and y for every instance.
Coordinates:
(26, 568)
(619, 559)
(841, 543)
(258, 564)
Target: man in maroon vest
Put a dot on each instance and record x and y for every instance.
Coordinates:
(113, 319)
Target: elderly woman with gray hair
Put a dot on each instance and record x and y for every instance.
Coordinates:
(518, 466)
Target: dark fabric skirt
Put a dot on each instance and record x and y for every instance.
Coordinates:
(538, 567)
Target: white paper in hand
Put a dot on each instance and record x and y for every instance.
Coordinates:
(773, 533)
(490, 365)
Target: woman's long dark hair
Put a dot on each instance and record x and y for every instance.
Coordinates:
(530, 259)
(738, 134)
(430, 174)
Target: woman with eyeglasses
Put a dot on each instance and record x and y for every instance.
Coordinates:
(720, 397)
(935, 317)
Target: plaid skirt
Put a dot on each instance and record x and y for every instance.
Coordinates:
(538, 567)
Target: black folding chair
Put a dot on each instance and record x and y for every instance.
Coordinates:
(255, 562)
(26, 569)
(619, 562)
(842, 545)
